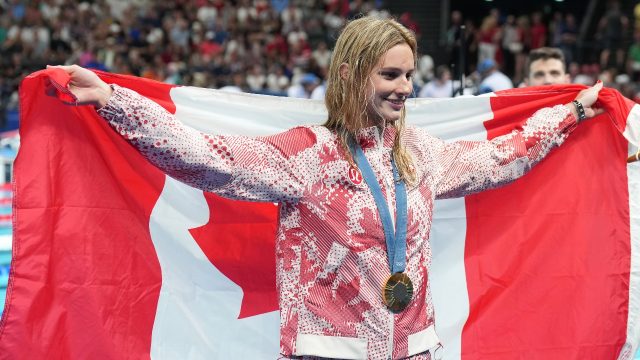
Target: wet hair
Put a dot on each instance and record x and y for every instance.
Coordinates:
(545, 53)
(361, 45)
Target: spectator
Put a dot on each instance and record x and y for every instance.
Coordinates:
(207, 14)
(512, 45)
(471, 48)
(574, 71)
(555, 29)
(441, 86)
(489, 38)
(569, 38)
(333, 22)
(179, 32)
(277, 81)
(524, 32)
(453, 41)
(238, 83)
(636, 14)
(318, 92)
(538, 31)
(291, 18)
(308, 84)
(409, 23)
(633, 59)
(425, 69)
(492, 79)
(587, 75)
(546, 66)
(297, 36)
(256, 79)
(321, 55)
(613, 26)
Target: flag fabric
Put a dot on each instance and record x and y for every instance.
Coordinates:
(112, 259)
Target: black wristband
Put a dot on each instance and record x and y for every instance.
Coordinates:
(580, 109)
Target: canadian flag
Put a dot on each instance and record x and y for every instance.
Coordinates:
(112, 259)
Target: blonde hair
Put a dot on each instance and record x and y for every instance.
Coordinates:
(361, 45)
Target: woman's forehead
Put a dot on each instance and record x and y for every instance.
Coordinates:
(400, 56)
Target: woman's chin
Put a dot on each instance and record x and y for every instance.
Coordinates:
(392, 118)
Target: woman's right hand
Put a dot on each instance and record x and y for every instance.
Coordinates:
(86, 86)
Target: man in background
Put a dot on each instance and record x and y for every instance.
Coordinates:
(309, 87)
(546, 66)
(441, 86)
(492, 79)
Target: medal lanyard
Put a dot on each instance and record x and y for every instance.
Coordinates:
(396, 240)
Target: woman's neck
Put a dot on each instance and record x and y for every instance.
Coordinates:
(380, 123)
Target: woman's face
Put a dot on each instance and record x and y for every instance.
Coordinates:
(390, 85)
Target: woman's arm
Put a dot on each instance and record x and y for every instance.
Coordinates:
(256, 169)
(466, 167)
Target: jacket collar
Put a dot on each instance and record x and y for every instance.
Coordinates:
(374, 137)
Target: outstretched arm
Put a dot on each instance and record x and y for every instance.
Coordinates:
(466, 167)
(258, 169)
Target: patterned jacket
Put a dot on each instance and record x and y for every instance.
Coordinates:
(331, 252)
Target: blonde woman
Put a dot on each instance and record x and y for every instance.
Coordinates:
(356, 194)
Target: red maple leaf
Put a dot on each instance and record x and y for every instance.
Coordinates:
(239, 240)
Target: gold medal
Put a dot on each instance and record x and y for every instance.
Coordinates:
(397, 292)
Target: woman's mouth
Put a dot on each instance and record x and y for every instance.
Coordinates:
(396, 104)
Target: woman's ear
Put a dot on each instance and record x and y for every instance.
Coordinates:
(344, 71)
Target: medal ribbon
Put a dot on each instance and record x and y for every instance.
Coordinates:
(396, 240)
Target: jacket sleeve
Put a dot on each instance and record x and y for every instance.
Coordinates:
(237, 167)
(466, 167)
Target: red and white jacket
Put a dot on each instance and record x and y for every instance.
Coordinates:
(331, 251)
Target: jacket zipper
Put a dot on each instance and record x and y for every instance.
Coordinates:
(391, 329)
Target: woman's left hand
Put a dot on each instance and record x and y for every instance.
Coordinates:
(588, 98)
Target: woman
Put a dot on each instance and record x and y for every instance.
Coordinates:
(356, 194)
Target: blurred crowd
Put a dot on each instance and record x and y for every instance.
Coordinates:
(501, 43)
(268, 46)
(282, 47)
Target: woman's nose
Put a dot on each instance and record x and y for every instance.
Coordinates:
(405, 87)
